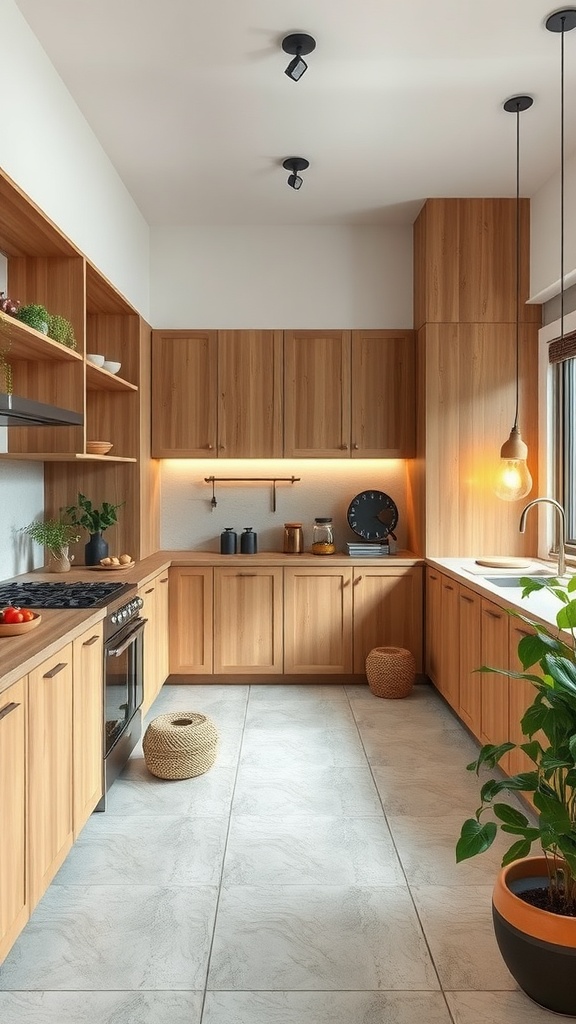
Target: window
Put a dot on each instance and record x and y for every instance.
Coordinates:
(562, 355)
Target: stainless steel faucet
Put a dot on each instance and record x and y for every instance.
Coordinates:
(562, 530)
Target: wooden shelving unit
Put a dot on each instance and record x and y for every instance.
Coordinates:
(46, 267)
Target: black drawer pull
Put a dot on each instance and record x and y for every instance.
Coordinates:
(493, 615)
(7, 709)
(54, 671)
(469, 600)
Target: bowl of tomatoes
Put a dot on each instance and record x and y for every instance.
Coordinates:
(14, 621)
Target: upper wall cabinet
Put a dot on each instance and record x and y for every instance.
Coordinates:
(217, 393)
(349, 394)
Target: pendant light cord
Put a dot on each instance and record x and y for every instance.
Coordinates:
(562, 177)
(517, 280)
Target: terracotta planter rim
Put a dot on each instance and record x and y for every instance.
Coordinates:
(541, 924)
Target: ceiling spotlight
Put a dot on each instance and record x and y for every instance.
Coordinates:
(297, 43)
(295, 164)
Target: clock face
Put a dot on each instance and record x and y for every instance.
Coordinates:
(372, 515)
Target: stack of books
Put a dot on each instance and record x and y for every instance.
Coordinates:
(358, 549)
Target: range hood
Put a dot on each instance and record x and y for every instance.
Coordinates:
(24, 412)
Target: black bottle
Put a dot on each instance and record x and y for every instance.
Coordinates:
(228, 541)
(248, 542)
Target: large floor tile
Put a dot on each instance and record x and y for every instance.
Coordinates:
(110, 937)
(325, 1008)
(416, 743)
(118, 850)
(318, 937)
(287, 746)
(310, 850)
(140, 793)
(419, 790)
(306, 714)
(100, 1007)
(457, 922)
(427, 850)
(489, 1007)
(335, 791)
(284, 694)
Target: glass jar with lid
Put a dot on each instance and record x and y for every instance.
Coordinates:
(323, 536)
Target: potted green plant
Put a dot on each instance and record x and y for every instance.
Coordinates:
(60, 329)
(34, 315)
(534, 900)
(55, 535)
(95, 520)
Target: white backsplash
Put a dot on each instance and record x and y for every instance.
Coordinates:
(326, 488)
(22, 490)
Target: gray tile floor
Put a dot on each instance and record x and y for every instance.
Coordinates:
(307, 878)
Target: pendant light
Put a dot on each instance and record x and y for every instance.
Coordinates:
(513, 480)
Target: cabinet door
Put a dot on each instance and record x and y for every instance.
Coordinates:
(383, 394)
(184, 365)
(521, 696)
(432, 639)
(317, 620)
(13, 901)
(494, 702)
(470, 658)
(190, 636)
(162, 628)
(88, 723)
(50, 769)
(387, 612)
(250, 394)
(449, 684)
(248, 620)
(151, 684)
(317, 394)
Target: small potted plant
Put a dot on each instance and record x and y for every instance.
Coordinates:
(34, 315)
(534, 900)
(95, 520)
(60, 329)
(55, 535)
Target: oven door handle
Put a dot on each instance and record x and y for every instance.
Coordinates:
(115, 652)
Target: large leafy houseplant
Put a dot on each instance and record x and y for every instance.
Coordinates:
(549, 725)
(93, 519)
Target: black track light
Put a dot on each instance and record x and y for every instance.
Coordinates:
(297, 43)
(295, 164)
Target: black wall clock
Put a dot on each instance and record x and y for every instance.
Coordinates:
(372, 515)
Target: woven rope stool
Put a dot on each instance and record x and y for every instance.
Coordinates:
(180, 745)
(391, 672)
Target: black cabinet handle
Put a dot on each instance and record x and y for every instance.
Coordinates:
(469, 600)
(7, 709)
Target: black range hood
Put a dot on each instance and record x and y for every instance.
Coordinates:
(24, 412)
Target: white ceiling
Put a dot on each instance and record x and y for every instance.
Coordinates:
(402, 100)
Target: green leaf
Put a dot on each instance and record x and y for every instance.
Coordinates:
(474, 839)
(530, 649)
(566, 617)
(510, 815)
(532, 834)
(517, 850)
(533, 750)
(524, 782)
(553, 813)
(562, 670)
(571, 585)
(490, 789)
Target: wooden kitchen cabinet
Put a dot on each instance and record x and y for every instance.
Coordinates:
(317, 620)
(88, 723)
(50, 769)
(154, 594)
(433, 620)
(494, 720)
(217, 393)
(14, 906)
(349, 394)
(521, 696)
(387, 611)
(248, 620)
(191, 598)
(469, 659)
(449, 668)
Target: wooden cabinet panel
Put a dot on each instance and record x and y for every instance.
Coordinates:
(387, 611)
(88, 723)
(247, 620)
(433, 636)
(449, 684)
(162, 627)
(316, 394)
(13, 897)
(383, 413)
(184, 376)
(191, 613)
(494, 722)
(50, 769)
(317, 620)
(250, 394)
(521, 696)
(470, 658)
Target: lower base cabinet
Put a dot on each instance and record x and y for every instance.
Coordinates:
(154, 595)
(14, 906)
(317, 621)
(247, 632)
(191, 600)
(494, 717)
(469, 659)
(387, 611)
(88, 716)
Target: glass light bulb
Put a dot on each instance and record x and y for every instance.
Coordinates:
(513, 480)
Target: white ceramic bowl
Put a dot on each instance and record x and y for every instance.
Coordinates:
(95, 358)
(111, 366)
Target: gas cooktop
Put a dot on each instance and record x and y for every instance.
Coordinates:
(61, 595)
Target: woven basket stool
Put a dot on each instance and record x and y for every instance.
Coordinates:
(180, 745)
(391, 672)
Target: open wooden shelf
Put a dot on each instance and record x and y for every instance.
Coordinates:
(26, 343)
(99, 379)
(63, 457)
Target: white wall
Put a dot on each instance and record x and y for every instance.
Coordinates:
(22, 500)
(48, 148)
(281, 277)
(545, 235)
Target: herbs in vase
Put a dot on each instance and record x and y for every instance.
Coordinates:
(95, 521)
(55, 535)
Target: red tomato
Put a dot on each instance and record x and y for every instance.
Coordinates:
(13, 615)
(27, 614)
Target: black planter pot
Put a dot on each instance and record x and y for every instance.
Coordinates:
(538, 947)
(95, 549)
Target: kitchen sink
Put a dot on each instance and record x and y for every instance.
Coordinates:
(514, 581)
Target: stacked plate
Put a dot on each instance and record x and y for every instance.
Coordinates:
(98, 447)
(359, 550)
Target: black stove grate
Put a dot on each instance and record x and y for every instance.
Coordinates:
(60, 595)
